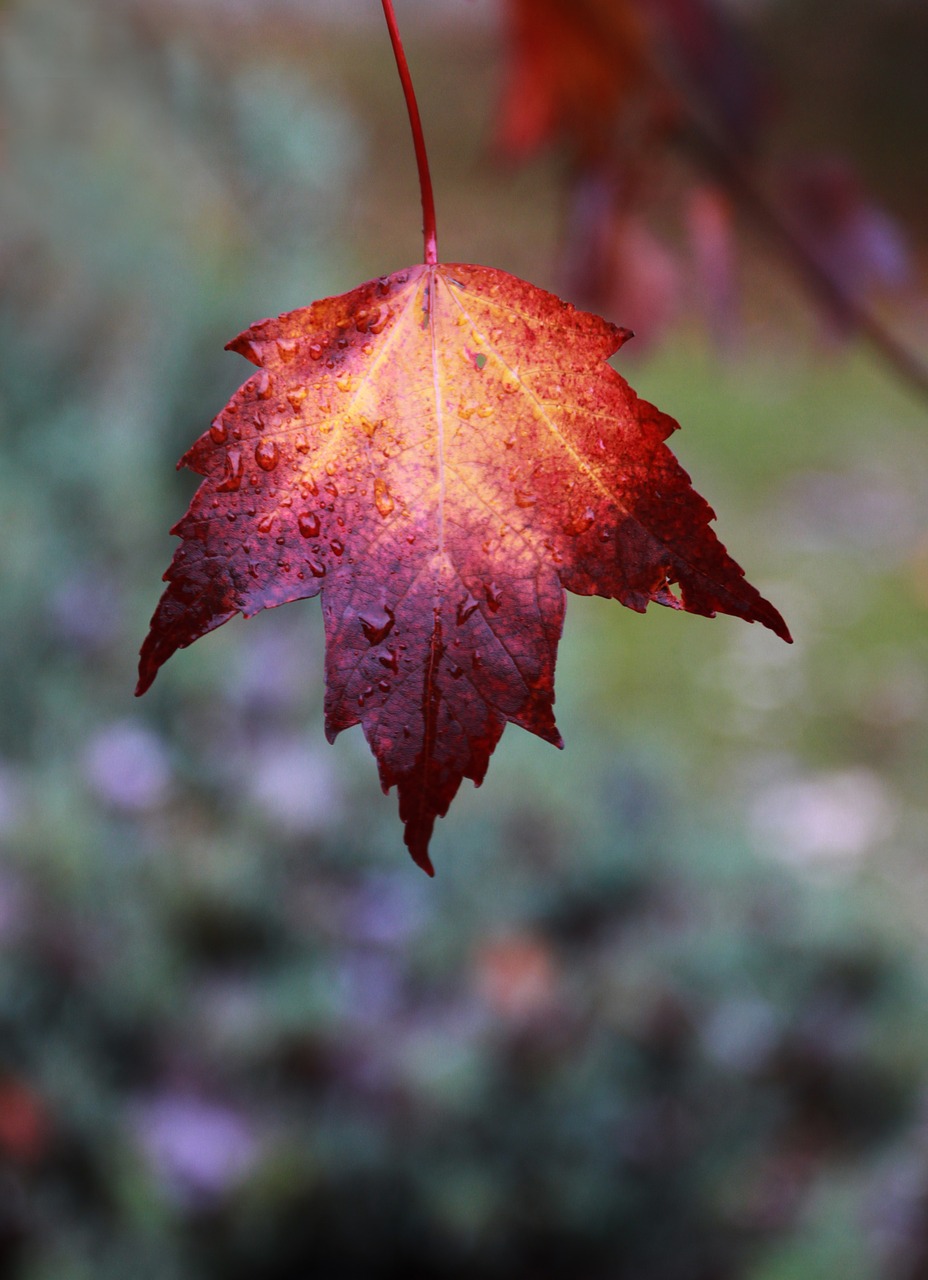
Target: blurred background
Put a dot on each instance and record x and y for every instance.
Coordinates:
(662, 1014)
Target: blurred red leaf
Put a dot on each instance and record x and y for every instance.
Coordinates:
(572, 67)
(439, 453)
(24, 1121)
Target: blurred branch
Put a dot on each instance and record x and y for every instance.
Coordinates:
(782, 232)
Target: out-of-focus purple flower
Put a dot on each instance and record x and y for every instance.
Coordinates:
(740, 1033)
(294, 784)
(387, 910)
(828, 820)
(197, 1150)
(87, 609)
(126, 765)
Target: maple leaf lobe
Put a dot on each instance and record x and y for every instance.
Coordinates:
(439, 453)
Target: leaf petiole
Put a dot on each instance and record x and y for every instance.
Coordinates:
(418, 140)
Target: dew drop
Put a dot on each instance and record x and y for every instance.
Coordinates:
(309, 524)
(331, 468)
(494, 597)
(218, 431)
(384, 686)
(377, 624)
(337, 546)
(316, 569)
(383, 500)
(455, 671)
(315, 351)
(300, 444)
(295, 397)
(389, 660)
(343, 382)
(266, 522)
(581, 523)
(267, 455)
(232, 479)
(264, 386)
(287, 348)
(466, 609)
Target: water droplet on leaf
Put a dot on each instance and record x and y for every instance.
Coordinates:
(581, 523)
(377, 624)
(267, 455)
(382, 498)
(232, 479)
(309, 524)
(389, 660)
(466, 608)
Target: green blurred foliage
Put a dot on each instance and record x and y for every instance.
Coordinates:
(661, 1013)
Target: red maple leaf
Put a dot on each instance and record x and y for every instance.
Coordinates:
(439, 454)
